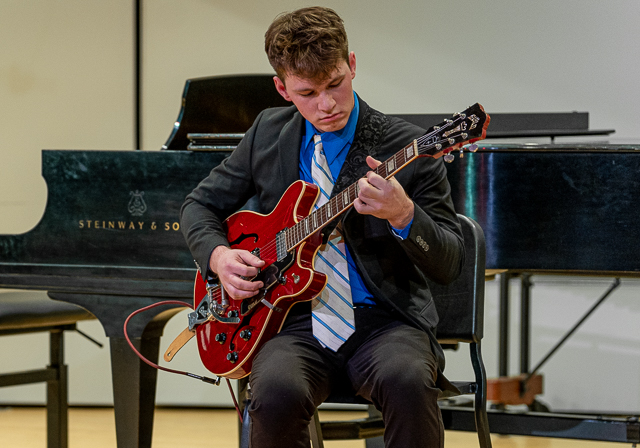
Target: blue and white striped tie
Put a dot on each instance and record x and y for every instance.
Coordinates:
(332, 312)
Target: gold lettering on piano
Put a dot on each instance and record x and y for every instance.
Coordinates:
(96, 224)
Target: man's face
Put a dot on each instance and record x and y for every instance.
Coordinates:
(326, 104)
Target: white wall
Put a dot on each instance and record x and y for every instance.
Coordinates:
(66, 82)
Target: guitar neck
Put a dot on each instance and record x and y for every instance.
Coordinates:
(340, 203)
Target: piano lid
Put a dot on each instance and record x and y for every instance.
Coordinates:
(222, 104)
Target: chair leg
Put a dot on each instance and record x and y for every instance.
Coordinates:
(244, 400)
(315, 431)
(374, 442)
(482, 420)
(244, 428)
(57, 393)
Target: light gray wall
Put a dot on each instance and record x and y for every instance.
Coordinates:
(66, 82)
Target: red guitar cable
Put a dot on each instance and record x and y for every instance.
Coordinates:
(179, 372)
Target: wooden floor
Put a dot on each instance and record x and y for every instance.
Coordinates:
(24, 427)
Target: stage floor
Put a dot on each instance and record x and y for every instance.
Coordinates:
(25, 427)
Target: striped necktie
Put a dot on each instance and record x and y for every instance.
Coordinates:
(332, 311)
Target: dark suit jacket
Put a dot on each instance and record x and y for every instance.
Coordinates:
(266, 162)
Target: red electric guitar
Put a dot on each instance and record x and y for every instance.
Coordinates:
(230, 332)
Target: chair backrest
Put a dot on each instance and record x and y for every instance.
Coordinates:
(222, 104)
(460, 304)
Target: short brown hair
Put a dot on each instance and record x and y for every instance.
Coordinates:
(309, 42)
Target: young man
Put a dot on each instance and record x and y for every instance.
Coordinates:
(399, 232)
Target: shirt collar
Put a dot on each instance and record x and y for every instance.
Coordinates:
(334, 142)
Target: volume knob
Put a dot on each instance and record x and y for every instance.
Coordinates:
(221, 337)
(245, 334)
(232, 357)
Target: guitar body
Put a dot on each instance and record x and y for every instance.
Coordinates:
(228, 349)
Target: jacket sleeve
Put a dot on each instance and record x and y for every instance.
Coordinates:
(435, 243)
(224, 191)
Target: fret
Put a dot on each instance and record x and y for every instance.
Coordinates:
(409, 152)
(391, 165)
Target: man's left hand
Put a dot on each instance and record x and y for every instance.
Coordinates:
(383, 198)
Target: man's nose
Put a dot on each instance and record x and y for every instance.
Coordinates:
(327, 103)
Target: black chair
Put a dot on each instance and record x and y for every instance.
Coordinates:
(30, 312)
(461, 310)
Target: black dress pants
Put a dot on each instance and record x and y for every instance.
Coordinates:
(385, 361)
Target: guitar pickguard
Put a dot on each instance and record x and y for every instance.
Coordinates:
(270, 276)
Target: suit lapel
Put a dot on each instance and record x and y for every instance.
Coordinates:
(289, 153)
(372, 125)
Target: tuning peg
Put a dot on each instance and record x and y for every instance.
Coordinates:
(449, 158)
(473, 147)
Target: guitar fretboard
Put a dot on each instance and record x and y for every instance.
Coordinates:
(342, 201)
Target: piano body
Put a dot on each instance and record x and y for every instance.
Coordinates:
(110, 240)
(562, 208)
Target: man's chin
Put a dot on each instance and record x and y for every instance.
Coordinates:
(330, 125)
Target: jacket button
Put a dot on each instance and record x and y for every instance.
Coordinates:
(422, 243)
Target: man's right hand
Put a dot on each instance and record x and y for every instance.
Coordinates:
(232, 265)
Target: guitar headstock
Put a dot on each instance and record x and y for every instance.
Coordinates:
(463, 128)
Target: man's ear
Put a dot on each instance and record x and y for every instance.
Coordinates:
(280, 87)
(352, 64)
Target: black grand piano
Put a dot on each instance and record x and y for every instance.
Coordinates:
(110, 240)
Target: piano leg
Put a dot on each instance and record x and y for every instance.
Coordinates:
(134, 382)
(134, 390)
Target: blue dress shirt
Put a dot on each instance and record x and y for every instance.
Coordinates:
(336, 146)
